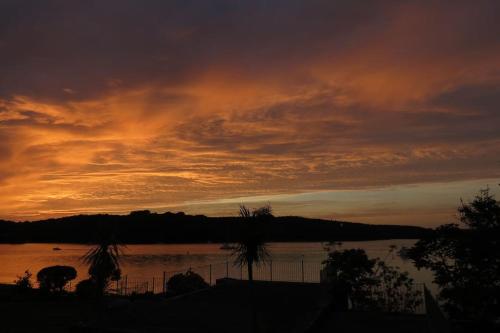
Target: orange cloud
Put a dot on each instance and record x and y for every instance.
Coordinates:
(207, 105)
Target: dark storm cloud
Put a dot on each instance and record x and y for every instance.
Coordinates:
(76, 49)
(481, 100)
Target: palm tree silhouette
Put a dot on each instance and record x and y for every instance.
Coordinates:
(104, 262)
(251, 248)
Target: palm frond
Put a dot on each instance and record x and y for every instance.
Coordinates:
(103, 260)
(251, 247)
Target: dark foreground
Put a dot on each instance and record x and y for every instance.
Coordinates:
(280, 307)
(227, 307)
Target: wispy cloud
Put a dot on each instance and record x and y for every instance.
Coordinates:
(118, 105)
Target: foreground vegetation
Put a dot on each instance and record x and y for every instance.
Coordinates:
(465, 260)
(369, 284)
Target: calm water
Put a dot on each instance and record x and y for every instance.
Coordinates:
(146, 261)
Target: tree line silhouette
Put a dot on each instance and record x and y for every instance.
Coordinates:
(147, 227)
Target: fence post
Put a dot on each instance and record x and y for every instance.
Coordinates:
(164, 282)
(147, 286)
(227, 269)
(210, 274)
(302, 267)
(271, 269)
(153, 284)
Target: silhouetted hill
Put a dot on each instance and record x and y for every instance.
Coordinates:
(146, 227)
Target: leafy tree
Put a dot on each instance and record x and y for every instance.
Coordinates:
(55, 278)
(370, 284)
(185, 283)
(104, 263)
(350, 274)
(251, 248)
(395, 290)
(465, 260)
(140, 213)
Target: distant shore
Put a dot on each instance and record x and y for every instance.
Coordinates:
(201, 243)
(145, 227)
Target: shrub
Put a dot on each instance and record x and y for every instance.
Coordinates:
(186, 282)
(55, 278)
(87, 289)
(24, 282)
(370, 284)
(396, 290)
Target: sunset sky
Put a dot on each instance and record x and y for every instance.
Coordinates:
(370, 111)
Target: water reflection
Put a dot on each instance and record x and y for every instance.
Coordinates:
(144, 261)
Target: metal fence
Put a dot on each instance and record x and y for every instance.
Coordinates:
(280, 271)
(283, 271)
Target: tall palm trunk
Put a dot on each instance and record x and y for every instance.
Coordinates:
(253, 312)
(250, 270)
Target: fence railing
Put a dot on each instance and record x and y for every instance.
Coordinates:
(283, 271)
(280, 271)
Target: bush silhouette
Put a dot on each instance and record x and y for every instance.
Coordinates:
(370, 284)
(55, 278)
(24, 282)
(186, 282)
(87, 289)
(351, 276)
